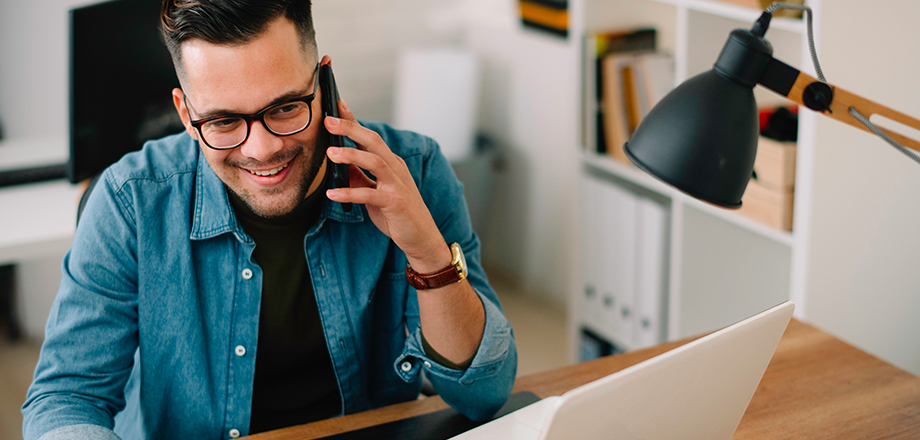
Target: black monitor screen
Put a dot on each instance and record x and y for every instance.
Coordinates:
(121, 79)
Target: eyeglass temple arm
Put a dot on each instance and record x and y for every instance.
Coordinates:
(832, 101)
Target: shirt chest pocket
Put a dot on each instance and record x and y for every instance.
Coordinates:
(388, 301)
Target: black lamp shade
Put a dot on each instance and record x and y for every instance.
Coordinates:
(701, 138)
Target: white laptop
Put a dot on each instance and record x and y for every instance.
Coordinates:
(697, 391)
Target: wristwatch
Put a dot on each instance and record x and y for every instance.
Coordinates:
(453, 273)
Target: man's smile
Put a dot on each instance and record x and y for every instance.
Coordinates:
(270, 172)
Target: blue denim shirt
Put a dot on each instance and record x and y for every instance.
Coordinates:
(154, 330)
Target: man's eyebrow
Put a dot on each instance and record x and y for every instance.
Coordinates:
(279, 100)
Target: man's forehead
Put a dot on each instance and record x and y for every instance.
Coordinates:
(246, 75)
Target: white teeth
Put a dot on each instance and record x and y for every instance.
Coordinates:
(269, 172)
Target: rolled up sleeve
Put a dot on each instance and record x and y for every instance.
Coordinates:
(479, 391)
(81, 432)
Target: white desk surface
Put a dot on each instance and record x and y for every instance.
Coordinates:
(37, 219)
(32, 151)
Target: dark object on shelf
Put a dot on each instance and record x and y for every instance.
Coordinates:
(782, 125)
(33, 174)
(644, 39)
(592, 346)
(551, 16)
(442, 424)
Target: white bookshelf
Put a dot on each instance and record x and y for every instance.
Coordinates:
(721, 267)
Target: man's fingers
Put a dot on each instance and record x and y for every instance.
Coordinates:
(367, 140)
(357, 178)
(364, 138)
(362, 159)
(345, 113)
(361, 196)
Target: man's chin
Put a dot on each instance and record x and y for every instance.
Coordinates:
(272, 210)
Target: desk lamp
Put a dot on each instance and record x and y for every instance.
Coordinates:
(702, 137)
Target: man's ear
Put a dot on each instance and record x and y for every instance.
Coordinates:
(179, 103)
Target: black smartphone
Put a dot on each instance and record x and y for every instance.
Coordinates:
(330, 104)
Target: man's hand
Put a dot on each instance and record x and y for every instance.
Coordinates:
(393, 201)
(452, 317)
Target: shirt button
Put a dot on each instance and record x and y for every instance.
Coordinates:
(406, 366)
(247, 274)
(240, 350)
(234, 433)
(427, 364)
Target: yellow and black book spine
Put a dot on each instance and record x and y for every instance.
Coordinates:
(546, 15)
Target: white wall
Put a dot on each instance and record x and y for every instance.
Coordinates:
(530, 105)
(363, 38)
(864, 281)
(33, 67)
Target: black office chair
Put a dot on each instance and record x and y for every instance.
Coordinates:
(85, 196)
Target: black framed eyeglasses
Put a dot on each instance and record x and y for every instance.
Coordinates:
(231, 130)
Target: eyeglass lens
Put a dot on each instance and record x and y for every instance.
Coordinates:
(281, 120)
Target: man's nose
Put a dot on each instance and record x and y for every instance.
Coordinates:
(261, 144)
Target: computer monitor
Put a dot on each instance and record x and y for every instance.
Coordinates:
(121, 78)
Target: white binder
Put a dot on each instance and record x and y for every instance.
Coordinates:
(651, 263)
(619, 261)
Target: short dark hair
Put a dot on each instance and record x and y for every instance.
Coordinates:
(230, 22)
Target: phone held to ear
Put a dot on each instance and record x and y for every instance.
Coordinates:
(331, 108)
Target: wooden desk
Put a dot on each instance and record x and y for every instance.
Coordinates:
(816, 387)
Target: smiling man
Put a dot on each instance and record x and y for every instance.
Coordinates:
(216, 287)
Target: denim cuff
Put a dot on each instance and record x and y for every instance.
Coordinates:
(492, 351)
(437, 357)
(80, 432)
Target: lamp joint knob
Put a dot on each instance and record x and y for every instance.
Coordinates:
(818, 96)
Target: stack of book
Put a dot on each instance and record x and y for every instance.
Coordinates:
(624, 78)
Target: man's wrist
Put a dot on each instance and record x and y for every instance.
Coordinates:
(437, 260)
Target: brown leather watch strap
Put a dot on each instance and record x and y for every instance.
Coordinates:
(433, 280)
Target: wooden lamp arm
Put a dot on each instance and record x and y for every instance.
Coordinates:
(833, 101)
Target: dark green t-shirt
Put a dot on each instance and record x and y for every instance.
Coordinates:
(294, 379)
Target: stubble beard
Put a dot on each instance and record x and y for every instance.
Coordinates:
(295, 196)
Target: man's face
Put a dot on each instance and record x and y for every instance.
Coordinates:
(271, 174)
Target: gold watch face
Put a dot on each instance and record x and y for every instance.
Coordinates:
(459, 259)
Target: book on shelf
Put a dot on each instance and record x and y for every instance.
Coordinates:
(624, 78)
(550, 16)
(597, 46)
